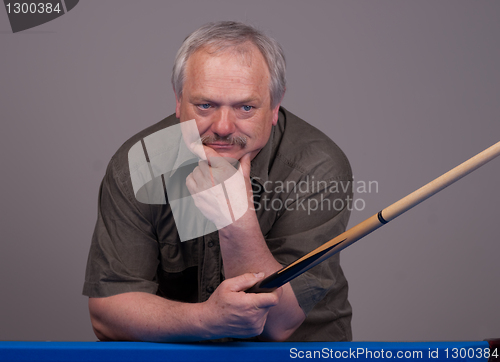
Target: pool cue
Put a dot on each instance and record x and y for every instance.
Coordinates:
(362, 229)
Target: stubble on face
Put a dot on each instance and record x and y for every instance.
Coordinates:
(227, 82)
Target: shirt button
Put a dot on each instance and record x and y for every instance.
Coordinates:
(210, 289)
(210, 244)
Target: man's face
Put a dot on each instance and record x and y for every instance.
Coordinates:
(228, 96)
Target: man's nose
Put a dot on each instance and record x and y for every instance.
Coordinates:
(223, 123)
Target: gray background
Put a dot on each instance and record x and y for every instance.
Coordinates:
(407, 89)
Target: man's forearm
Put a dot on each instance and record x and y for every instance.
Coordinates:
(244, 250)
(229, 312)
(242, 244)
(145, 317)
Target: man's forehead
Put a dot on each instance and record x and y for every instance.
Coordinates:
(211, 73)
(246, 54)
(245, 50)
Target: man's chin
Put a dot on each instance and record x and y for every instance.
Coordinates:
(229, 156)
(233, 152)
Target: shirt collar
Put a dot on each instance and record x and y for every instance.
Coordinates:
(261, 164)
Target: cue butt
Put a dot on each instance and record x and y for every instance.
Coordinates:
(364, 228)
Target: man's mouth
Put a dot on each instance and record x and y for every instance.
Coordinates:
(219, 145)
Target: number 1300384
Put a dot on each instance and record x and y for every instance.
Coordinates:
(33, 8)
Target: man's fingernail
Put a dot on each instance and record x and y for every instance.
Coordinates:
(258, 275)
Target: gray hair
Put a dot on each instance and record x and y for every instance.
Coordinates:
(226, 34)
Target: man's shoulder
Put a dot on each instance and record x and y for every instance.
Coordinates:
(120, 158)
(309, 150)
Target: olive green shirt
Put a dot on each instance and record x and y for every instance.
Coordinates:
(302, 184)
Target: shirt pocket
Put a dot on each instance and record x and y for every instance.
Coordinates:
(177, 256)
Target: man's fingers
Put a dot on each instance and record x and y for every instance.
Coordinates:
(192, 139)
(206, 171)
(260, 300)
(212, 155)
(191, 183)
(244, 281)
(216, 160)
(245, 164)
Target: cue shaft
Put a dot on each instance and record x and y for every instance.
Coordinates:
(371, 224)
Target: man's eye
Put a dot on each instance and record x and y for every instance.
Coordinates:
(204, 106)
(247, 108)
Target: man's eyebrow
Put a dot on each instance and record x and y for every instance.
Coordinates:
(248, 100)
(201, 100)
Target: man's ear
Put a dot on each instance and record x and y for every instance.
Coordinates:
(277, 109)
(177, 106)
(276, 114)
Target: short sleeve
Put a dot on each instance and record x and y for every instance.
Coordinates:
(124, 253)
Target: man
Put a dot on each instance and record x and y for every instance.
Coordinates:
(145, 284)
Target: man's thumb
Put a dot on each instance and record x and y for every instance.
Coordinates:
(245, 163)
(245, 281)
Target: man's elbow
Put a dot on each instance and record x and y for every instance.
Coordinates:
(276, 336)
(280, 334)
(99, 327)
(101, 336)
(100, 330)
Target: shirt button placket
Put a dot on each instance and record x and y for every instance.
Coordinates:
(211, 272)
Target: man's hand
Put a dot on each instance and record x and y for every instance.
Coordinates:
(229, 312)
(219, 190)
(232, 312)
(243, 247)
